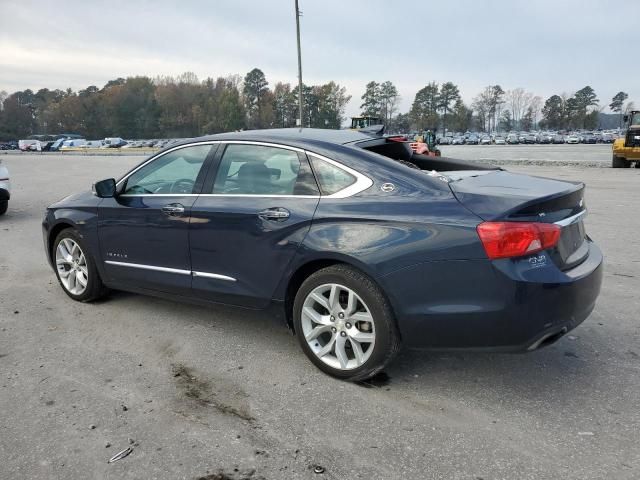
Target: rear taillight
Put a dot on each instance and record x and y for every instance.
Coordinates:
(516, 239)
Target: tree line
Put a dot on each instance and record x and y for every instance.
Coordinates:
(496, 109)
(185, 106)
(167, 107)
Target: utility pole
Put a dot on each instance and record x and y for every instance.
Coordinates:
(298, 14)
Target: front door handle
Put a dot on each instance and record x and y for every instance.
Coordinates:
(173, 209)
(277, 214)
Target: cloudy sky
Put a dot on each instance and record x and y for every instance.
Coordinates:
(544, 46)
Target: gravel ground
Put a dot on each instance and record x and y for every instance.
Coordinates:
(598, 155)
(196, 391)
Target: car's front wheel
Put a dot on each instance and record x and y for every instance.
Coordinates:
(344, 323)
(75, 268)
(4, 205)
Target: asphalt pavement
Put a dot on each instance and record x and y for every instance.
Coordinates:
(224, 393)
(598, 155)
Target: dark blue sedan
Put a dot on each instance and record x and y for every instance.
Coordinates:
(359, 243)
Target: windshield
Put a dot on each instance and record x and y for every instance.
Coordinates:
(635, 120)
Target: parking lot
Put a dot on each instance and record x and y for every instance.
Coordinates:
(198, 391)
(592, 155)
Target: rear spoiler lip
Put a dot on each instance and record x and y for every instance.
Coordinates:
(577, 187)
(504, 216)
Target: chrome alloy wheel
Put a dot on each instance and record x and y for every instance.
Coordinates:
(338, 326)
(72, 266)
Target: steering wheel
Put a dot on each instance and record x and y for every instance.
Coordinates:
(182, 185)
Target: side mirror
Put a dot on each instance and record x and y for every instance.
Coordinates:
(625, 118)
(104, 188)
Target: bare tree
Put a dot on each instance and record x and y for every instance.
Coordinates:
(628, 108)
(516, 103)
(3, 97)
(536, 107)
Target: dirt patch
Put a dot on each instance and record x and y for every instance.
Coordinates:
(219, 394)
(236, 475)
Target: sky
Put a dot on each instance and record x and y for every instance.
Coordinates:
(544, 46)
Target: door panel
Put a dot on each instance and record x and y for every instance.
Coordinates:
(229, 237)
(244, 234)
(144, 231)
(134, 230)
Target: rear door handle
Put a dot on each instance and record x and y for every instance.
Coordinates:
(173, 209)
(277, 214)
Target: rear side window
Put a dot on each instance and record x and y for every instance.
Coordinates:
(331, 179)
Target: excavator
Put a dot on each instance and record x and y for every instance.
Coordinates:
(627, 148)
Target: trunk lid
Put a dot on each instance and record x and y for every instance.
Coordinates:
(503, 196)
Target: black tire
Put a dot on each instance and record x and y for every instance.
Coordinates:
(4, 205)
(619, 162)
(95, 289)
(387, 338)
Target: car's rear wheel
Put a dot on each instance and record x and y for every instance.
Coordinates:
(4, 205)
(344, 323)
(75, 268)
(619, 162)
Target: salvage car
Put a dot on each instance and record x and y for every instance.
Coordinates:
(5, 189)
(360, 244)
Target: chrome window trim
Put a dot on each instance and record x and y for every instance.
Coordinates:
(262, 144)
(149, 267)
(159, 195)
(361, 184)
(250, 195)
(362, 181)
(256, 195)
(154, 157)
(215, 276)
(565, 222)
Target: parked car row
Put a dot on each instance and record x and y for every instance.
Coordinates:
(9, 145)
(161, 143)
(527, 138)
(50, 143)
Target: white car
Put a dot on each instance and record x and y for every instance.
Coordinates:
(77, 142)
(573, 139)
(499, 141)
(113, 142)
(5, 189)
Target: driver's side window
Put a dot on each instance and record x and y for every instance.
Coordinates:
(173, 173)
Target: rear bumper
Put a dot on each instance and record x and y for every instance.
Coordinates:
(505, 305)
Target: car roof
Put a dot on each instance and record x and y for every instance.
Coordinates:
(292, 135)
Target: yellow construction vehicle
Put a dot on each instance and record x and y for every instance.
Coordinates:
(627, 148)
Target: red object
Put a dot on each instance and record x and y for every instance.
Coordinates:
(516, 239)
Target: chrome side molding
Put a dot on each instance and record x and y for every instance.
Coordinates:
(215, 276)
(178, 271)
(149, 267)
